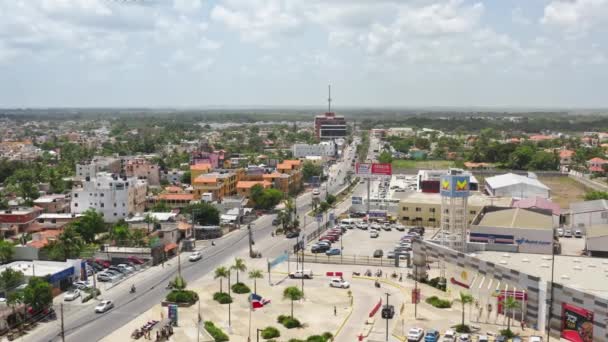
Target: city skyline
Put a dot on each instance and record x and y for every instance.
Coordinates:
(230, 53)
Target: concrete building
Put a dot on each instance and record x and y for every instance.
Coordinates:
(516, 186)
(401, 132)
(428, 180)
(114, 197)
(60, 274)
(55, 220)
(56, 203)
(424, 209)
(596, 240)
(540, 203)
(172, 200)
(199, 169)
(90, 168)
(15, 221)
(322, 149)
(243, 188)
(143, 169)
(588, 213)
(530, 230)
(220, 183)
(330, 126)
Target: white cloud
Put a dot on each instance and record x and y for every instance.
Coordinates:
(445, 18)
(519, 18)
(187, 6)
(575, 15)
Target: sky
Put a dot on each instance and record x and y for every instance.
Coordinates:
(235, 53)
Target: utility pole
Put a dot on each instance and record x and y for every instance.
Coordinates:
(303, 238)
(62, 327)
(387, 295)
(199, 321)
(415, 290)
(250, 240)
(179, 261)
(229, 295)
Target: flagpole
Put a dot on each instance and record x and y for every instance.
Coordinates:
(250, 309)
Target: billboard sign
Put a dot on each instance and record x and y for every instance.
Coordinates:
(455, 186)
(577, 324)
(382, 169)
(280, 259)
(364, 169)
(356, 200)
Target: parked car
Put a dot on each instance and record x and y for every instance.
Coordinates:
(387, 228)
(103, 263)
(449, 336)
(388, 311)
(126, 267)
(103, 277)
(483, 338)
(339, 282)
(276, 221)
(122, 271)
(292, 234)
(415, 334)
(373, 234)
(71, 295)
(195, 256)
(306, 274)
(390, 255)
(464, 338)
(567, 233)
(316, 192)
(560, 232)
(81, 285)
(535, 339)
(333, 251)
(400, 228)
(378, 253)
(104, 306)
(500, 338)
(432, 335)
(319, 248)
(578, 233)
(136, 260)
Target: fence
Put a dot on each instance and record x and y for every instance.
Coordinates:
(361, 260)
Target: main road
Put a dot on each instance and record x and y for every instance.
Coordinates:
(82, 324)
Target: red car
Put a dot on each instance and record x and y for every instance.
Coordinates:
(135, 260)
(103, 263)
(329, 238)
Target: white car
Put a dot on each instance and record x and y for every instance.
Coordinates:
(535, 339)
(464, 338)
(449, 336)
(104, 306)
(415, 334)
(560, 232)
(126, 267)
(81, 285)
(196, 256)
(71, 295)
(340, 283)
(568, 233)
(373, 234)
(578, 233)
(316, 192)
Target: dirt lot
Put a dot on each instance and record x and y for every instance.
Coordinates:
(564, 190)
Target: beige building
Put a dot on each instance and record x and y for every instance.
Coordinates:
(424, 209)
(143, 169)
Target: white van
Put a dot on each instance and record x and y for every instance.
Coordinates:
(348, 222)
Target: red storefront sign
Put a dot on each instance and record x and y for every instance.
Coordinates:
(577, 324)
(379, 169)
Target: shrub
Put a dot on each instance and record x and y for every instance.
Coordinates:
(438, 302)
(316, 338)
(240, 288)
(437, 283)
(289, 322)
(270, 332)
(463, 328)
(222, 297)
(215, 332)
(88, 294)
(182, 296)
(507, 333)
(328, 335)
(295, 340)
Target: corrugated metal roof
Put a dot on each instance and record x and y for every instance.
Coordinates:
(588, 206)
(509, 179)
(517, 218)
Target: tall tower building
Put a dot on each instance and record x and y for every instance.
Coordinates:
(454, 214)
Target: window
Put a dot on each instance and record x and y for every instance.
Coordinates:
(102, 205)
(406, 218)
(75, 195)
(75, 204)
(472, 212)
(405, 208)
(432, 210)
(418, 209)
(114, 205)
(101, 194)
(53, 221)
(431, 220)
(605, 214)
(114, 214)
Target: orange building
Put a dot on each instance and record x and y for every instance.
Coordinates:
(174, 200)
(219, 184)
(197, 170)
(243, 188)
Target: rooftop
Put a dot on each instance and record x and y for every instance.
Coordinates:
(588, 206)
(251, 184)
(516, 218)
(537, 202)
(37, 267)
(596, 231)
(158, 216)
(509, 179)
(474, 199)
(200, 167)
(176, 197)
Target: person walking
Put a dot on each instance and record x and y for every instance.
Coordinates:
(335, 311)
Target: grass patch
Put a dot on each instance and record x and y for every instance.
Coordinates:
(326, 337)
(564, 190)
(89, 294)
(422, 164)
(289, 322)
(222, 298)
(215, 332)
(240, 288)
(438, 302)
(507, 333)
(270, 332)
(182, 296)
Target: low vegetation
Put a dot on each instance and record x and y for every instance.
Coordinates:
(437, 282)
(222, 298)
(89, 294)
(182, 297)
(289, 322)
(215, 332)
(240, 288)
(438, 302)
(326, 337)
(270, 332)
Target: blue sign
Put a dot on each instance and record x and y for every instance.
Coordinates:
(173, 312)
(281, 258)
(521, 241)
(356, 200)
(319, 218)
(455, 186)
(331, 216)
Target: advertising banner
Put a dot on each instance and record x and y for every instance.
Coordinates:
(455, 186)
(577, 324)
(356, 200)
(364, 169)
(379, 169)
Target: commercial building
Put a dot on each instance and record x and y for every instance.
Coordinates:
(596, 240)
(588, 213)
(526, 230)
(90, 168)
(143, 169)
(424, 209)
(516, 186)
(330, 126)
(172, 200)
(322, 149)
(114, 197)
(401, 132)
(57, 203)
(59, 274)
(428, 181)
(243, 188)
(219, 184)
(541, 203)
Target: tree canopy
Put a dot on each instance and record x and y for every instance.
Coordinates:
(204, 213)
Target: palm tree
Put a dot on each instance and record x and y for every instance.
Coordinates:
(509, 305)
(239, 266)
(464, 299)
(255, 274)
(292, 293)
(221, 273)
(150, 219)
(284, 219)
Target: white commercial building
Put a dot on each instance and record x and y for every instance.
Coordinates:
(90, 168)
(516, 186)
(322, 149)
(400, 132)
(588, 213)
(114, 197)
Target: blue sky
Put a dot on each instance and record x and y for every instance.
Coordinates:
(187, 53)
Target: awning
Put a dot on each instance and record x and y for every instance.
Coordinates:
(170, 246)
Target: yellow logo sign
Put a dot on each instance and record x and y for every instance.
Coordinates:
(461, 185)
(446, 185)
(464, 275)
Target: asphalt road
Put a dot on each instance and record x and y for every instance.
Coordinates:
(82, 324)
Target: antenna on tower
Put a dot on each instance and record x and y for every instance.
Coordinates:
(329, 98)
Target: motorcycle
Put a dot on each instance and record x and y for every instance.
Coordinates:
(356, 273)
(133, 289)
(368, 273)
(379, 273)
(377, 284)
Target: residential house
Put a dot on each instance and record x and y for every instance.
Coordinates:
(143, 169)
(56, 203)
(596, 165)
(16, 221)
(243, 188)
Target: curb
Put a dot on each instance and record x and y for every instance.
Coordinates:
(339, 330)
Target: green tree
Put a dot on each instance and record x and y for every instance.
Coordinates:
(69, 245)
(204, 213)
(385, 157)
(89, 225)
(10, 279)
(464, 299)
(521, 157)
(160, 207)
(292, 293)
(596, 195)
(509, 304)
(239, 266)
(120, 234)
(221, 273)
(255, 275)
(15, 298)
(7, 249)
(544, 161)
(186, 177)
(310, 169)
(38, 294)
(266, 198)
(149, 219)
(24, 182)
(331, 199)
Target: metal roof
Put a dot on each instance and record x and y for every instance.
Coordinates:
(587, 206)
(517, 218)
(510, 179)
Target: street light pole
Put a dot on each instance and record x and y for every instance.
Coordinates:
(387, 295)
(229, 296)
(258, 334)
